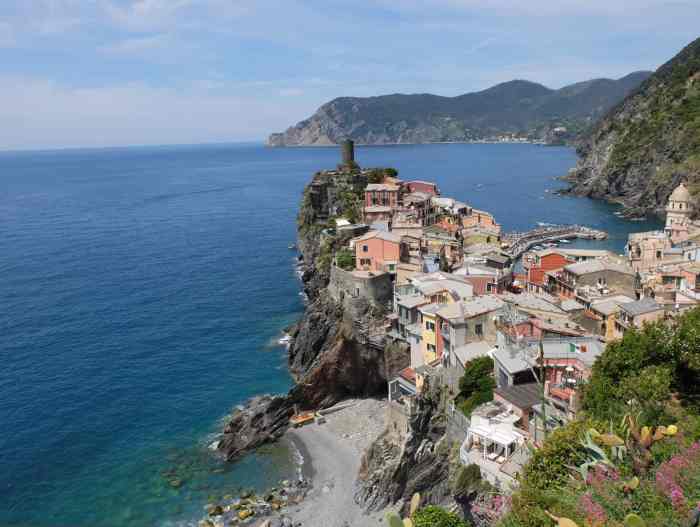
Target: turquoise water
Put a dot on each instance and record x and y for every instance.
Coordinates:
(142, 294)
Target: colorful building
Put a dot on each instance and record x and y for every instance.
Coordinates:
(536, 264)
(429, 332)
(384, 194)
(377, 251)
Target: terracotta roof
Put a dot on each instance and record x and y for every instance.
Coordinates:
(382, 235)
(409, 374)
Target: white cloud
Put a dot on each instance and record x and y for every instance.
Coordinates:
(38, 113)
(136, 45)
(291, 92)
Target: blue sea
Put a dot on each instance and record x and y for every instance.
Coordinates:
(142, 293)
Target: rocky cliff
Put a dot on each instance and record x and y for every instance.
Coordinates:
(517, 107)
(392, 473)
(640, 150)
(330, 356)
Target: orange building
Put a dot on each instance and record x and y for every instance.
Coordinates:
(538, 264)
(377, 251)
(481, 219)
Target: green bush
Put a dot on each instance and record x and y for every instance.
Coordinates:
(432, 516)
(345, 259)
(476, 385)
(468, 481)
(644, 368)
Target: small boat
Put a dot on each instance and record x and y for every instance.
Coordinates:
(301, 419)
(564, 241)
(291, 246)
(285, 341)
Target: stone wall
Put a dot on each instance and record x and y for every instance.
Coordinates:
(377, 289)
(397, 418)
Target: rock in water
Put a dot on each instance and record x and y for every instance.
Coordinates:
(263, 419)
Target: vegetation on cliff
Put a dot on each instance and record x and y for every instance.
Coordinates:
(635, 452)
(647, 144)
(517, 107)
(476, 385)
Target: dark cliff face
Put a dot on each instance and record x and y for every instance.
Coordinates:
(646, 145)
(519, 107)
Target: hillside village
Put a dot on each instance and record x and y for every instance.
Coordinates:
(451, 297)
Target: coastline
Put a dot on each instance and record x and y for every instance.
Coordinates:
(474, 142)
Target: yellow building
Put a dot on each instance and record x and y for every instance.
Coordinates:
(429, 336)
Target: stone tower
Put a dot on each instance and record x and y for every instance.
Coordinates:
(348, 148)
(678, 211)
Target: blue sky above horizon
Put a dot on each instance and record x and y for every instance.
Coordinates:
(124, 72)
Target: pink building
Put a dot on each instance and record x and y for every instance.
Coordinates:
(377, 251)
(382, 194)
(427, 187)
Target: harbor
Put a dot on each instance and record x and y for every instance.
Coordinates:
(517, 243)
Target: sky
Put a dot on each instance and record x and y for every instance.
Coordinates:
(94, 73)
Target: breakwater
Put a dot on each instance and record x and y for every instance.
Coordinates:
(519, 242)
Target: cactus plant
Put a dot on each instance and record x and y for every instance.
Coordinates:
(561, 522)
(632, 484)
(634, 520)
(610, 440)
(640, 440)
(415, 503)
(394, 520)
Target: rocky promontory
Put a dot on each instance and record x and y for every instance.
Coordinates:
(650, 142)
(330, 357)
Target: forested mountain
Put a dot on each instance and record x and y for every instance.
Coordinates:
(520, 108)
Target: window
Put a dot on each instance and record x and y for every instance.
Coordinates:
(365, 248)
(365, 261)
(658, 254)
(479, 330)
(431, 348)
(430, 326)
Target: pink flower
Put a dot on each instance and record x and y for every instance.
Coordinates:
(594, 512)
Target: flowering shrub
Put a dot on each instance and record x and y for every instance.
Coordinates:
(595, 514)
(486, 509)
(678, 474)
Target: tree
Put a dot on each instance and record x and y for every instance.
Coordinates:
(476, 385)
(645, 367)
(474, 372)
(432, 516)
